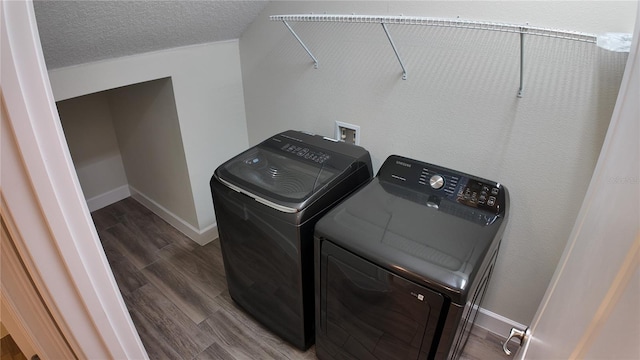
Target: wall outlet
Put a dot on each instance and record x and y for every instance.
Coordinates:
(348, 133)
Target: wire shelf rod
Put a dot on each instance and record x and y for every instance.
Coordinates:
(442, 22)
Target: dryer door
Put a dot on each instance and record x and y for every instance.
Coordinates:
(367, 312)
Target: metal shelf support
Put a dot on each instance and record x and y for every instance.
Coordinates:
(315, 61)
(521, 88)
(404, 71)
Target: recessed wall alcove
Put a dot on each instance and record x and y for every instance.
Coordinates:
(127, 142)
(199, 85)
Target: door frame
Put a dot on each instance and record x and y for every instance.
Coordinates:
(602, 255)
(23, 312)
(57, 243)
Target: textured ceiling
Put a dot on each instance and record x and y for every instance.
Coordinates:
(76, 32)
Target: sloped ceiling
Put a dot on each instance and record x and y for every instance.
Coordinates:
(76, 32)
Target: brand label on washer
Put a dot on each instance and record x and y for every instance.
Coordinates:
(419, 296)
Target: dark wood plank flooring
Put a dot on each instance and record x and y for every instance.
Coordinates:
(9, 350)
(177, 295)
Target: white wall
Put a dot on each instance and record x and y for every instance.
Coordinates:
(88, 128)
(148, 131)
(458, 108)
(209, 103)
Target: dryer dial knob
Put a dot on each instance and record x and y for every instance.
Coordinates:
(436, 181)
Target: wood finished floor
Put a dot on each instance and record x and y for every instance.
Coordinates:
(9, 350)
(177, 295)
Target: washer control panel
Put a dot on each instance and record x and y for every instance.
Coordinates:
(299, 149)
(440, 183)
(305, 152)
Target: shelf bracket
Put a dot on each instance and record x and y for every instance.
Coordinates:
(315, 61)
(386, 31)
(520, 90)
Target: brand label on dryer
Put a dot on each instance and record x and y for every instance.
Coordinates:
(418, 296)
(402, 163)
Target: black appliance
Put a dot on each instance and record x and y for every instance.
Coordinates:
(267, 201)
(402, 264)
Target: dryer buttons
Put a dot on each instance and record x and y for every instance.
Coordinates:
(436, 181)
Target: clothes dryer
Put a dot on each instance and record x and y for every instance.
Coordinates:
(267, 201)
(402, 264)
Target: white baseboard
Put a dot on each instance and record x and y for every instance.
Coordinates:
(201, 237)
(496, 323)
(108, 198)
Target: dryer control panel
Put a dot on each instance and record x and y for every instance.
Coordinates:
(440, 183)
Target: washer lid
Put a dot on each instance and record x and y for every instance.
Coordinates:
(283, 172)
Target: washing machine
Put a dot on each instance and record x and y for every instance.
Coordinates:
(267, 201)
(402, 264)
